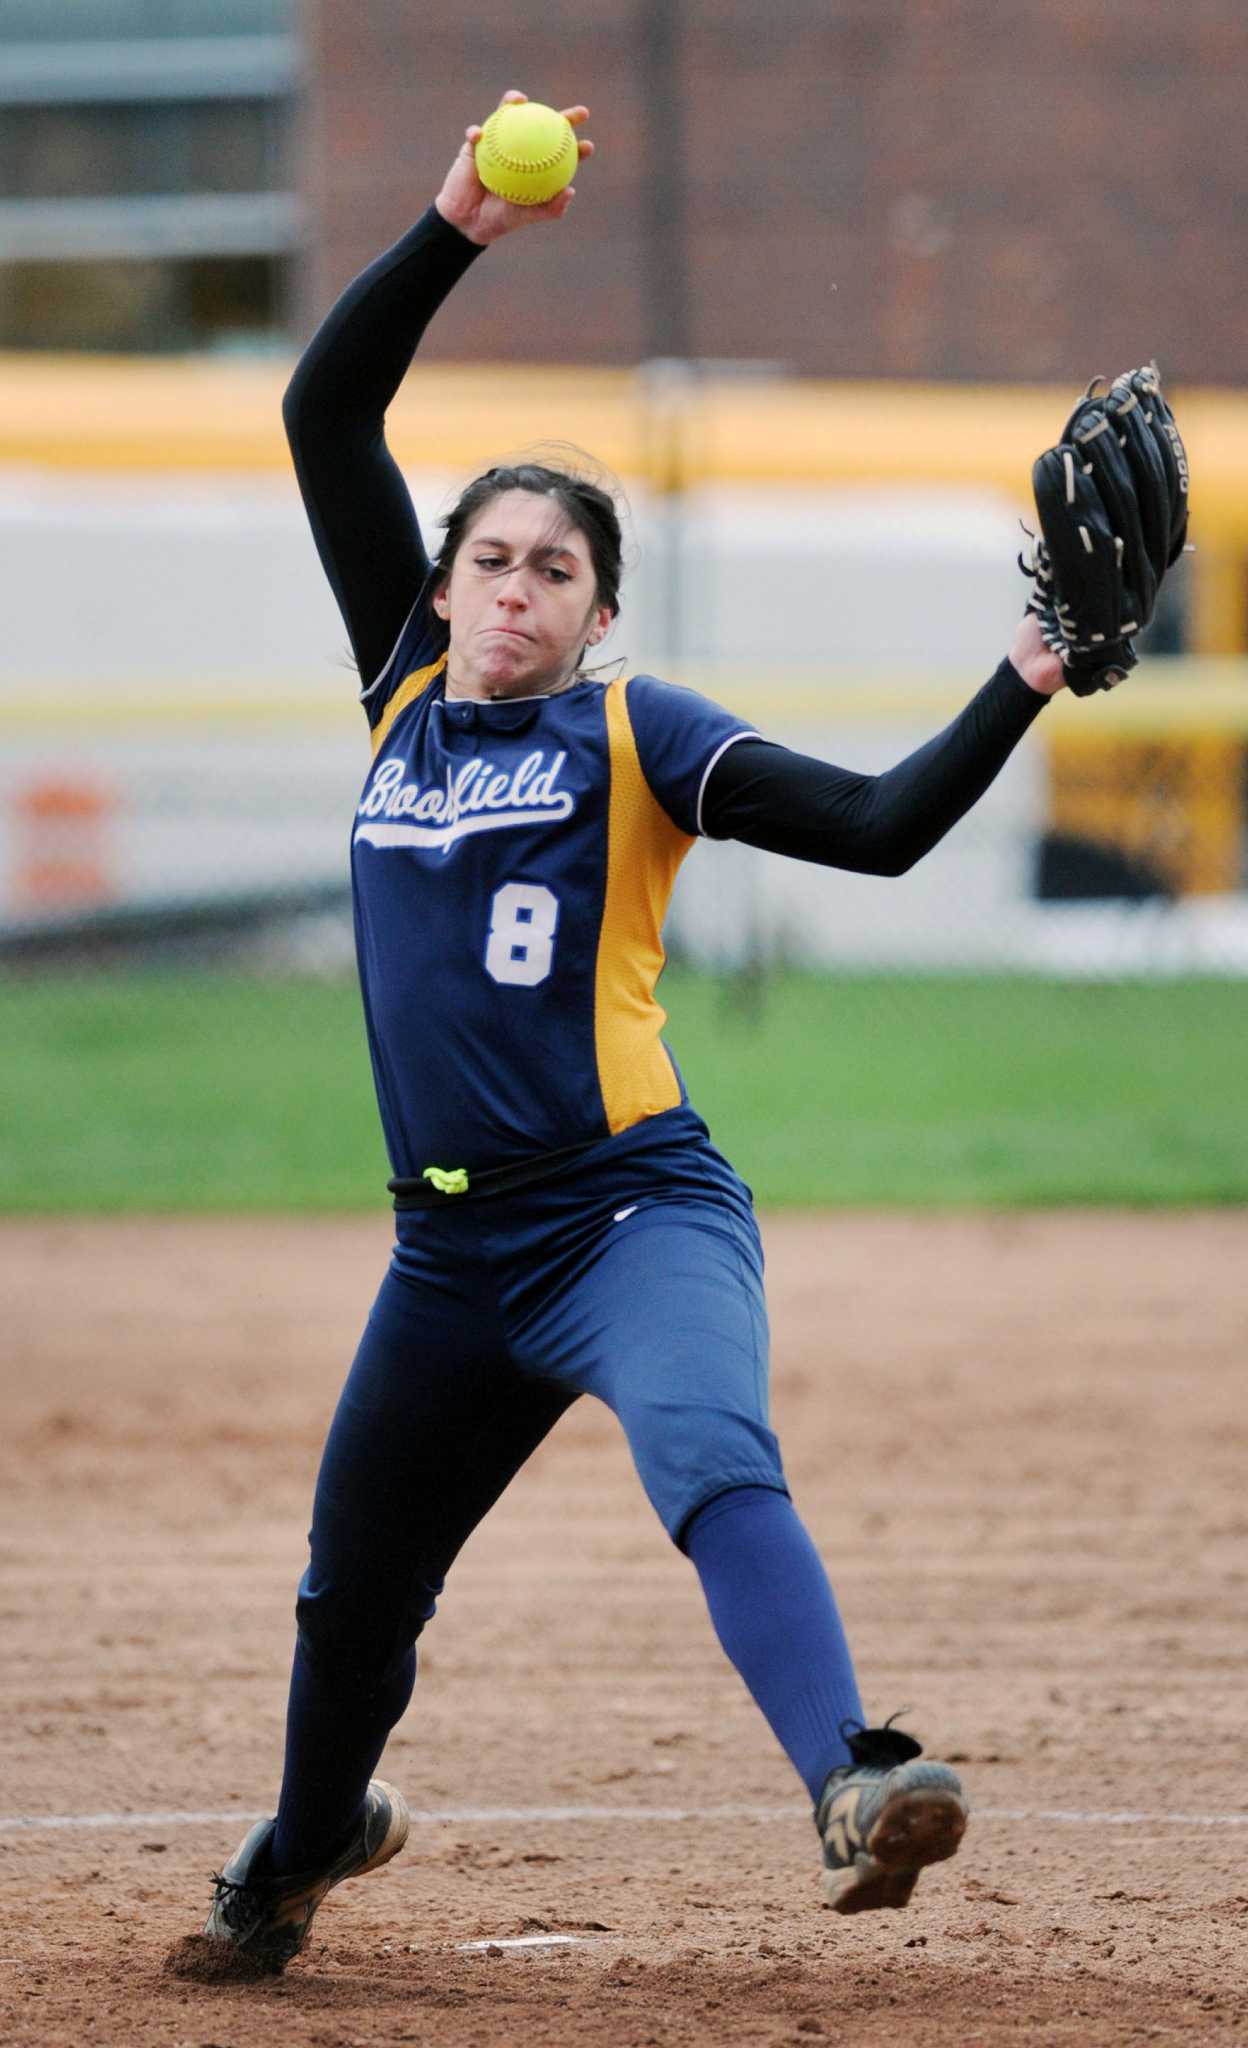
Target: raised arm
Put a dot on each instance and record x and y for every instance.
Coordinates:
(791, 803)
(362, 518)
(358, 506)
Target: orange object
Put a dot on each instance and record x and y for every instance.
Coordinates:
(65, 858)
(1175, 800)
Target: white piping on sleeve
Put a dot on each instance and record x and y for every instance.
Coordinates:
(731, 741)
(384, 670)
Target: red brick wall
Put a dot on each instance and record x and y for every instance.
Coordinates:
(950, 188)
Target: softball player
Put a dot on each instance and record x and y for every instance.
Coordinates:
(564, 1224)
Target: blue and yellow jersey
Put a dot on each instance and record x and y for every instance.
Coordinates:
(512, 865)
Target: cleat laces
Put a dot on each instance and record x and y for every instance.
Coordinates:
(241, 1904)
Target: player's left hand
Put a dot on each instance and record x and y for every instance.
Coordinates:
(482, 216)
(1111, 498)
(1040, 669)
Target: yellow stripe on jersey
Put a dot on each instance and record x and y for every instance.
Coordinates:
(644, 851)
(409, 689)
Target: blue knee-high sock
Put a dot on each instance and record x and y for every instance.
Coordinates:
(775, 1615)
(334, 1740)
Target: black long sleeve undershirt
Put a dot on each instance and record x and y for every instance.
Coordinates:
(791, 803)
(370, 544)
(362, 518)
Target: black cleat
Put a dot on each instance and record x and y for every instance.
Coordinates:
(883, 1817)
(266, 1919)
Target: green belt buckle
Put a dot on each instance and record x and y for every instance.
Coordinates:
(451, 1180)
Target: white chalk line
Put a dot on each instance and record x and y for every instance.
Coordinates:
(555, 1816)
(529, 1941)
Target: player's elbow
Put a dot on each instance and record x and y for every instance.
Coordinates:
(292, 405)
(308, 411)
(896, 858)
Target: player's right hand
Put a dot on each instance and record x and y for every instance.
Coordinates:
(482, 216)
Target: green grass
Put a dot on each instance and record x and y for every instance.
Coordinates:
(213, 1092)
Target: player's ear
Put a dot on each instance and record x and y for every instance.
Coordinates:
(600, 628)
(441, 602)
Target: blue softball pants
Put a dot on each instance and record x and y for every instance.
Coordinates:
(635, 1275)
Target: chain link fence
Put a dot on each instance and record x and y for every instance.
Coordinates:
(182, 752)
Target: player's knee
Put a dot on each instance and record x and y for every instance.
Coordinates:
(356, 1643)
(684, 1459)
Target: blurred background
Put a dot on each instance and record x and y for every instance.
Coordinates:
(834, 278)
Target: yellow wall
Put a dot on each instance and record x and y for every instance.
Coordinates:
(92, 413)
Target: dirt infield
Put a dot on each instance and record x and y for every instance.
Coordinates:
(1019, 1443)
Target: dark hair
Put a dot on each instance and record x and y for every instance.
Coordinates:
(587, 505)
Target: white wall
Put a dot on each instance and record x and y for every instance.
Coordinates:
(174, 642)
(116, 580)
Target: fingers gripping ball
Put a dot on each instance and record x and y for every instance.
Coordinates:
(527, 154)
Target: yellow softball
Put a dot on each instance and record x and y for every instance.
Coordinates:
(527, 153)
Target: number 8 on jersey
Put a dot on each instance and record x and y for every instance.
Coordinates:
(521, 945)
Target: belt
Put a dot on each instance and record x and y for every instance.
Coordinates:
(437, 1186)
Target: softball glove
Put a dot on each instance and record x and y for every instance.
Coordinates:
(1112, 504)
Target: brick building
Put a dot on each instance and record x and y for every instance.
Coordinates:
(863, 188)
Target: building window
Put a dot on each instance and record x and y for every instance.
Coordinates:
(234, 302)
(147, 195)
(126, 150)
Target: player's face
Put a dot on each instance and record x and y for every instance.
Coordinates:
(521, 602)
